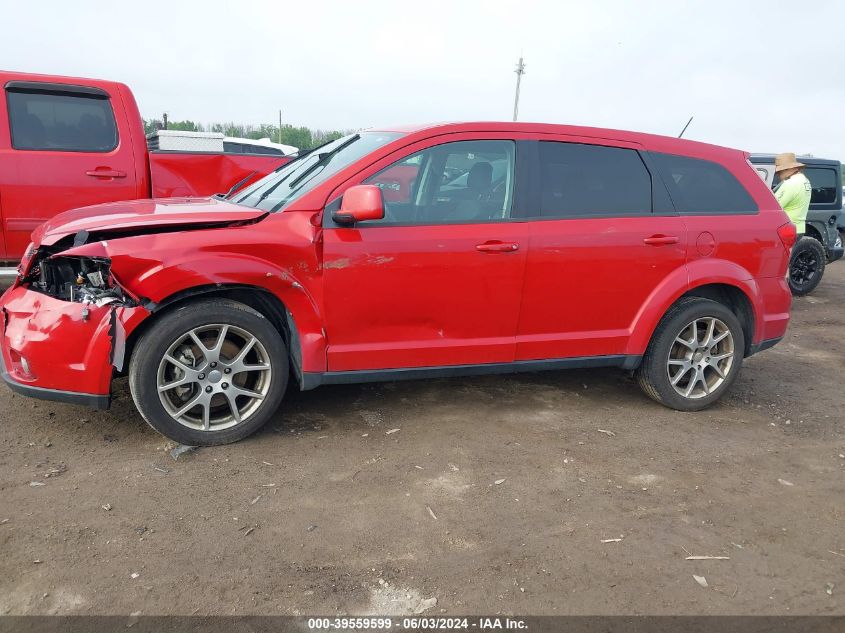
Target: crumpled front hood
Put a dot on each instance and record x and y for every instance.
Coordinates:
(116, 219)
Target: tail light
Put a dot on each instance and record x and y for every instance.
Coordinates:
(788, 235)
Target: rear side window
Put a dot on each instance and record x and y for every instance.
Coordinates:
(824, 184)
(703, 187)
(61, 122)
(584, 180)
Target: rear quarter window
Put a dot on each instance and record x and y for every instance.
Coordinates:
(60, 122)
(703, 187)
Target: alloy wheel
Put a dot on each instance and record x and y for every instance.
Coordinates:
(214, 377)
(700, 358)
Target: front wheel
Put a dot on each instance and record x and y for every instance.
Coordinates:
(806, 266)
(694, 355)
(209, 372)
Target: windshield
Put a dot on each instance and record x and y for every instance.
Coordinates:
(275, 191)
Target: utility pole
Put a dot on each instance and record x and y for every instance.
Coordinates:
(520, 71)
(280, 126)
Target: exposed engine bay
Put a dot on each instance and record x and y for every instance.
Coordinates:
(86, 280)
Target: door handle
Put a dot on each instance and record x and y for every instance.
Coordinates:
(105, 173)
(495, 246)
(661, 240)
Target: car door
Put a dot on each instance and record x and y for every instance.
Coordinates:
(65, 149)
(603, 237)
(438, 281)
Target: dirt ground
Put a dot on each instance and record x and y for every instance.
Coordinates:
(491, 494)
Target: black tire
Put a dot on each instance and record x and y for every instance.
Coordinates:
(653, 373)
(806, 266)
(147, 361)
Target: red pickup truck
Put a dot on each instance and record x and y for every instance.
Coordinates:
(68, 142)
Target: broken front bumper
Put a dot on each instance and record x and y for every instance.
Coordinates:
(59, 350)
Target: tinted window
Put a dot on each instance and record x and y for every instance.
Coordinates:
(262, 149)
(47, 121)
(824, 184)
(245, 148)
(466, 181)
(579, 180)
(702, 186)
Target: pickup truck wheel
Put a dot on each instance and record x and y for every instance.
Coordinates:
(806, 266)
(209, 372)
(694, 355)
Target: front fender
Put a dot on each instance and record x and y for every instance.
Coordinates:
(161, 282)
(155, 268)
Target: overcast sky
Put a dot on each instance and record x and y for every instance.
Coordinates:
(741, 68)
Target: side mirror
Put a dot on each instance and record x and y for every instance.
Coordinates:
(359, 203)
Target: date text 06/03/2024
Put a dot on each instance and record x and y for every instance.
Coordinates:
(417, 624)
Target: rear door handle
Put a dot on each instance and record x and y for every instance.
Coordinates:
(661, 240)
(495, 246)
(105, 173)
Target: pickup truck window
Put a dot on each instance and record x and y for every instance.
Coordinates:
(60, 122)
(275, 191)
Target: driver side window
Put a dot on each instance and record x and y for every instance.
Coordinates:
(454, 183)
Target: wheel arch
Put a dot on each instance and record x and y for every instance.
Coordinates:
(260, 299)
(718, 280)
(734, 298)
(814, 229)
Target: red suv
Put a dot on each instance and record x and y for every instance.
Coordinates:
(471, 248)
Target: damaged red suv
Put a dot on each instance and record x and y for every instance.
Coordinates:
(472, 248)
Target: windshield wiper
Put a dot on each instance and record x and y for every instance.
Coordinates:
(323, 159)
(234, 187)
(299, 156)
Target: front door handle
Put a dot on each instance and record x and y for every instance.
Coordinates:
(495, 246)
(105, 172)
(661, 240)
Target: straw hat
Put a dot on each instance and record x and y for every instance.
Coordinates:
(786, 161)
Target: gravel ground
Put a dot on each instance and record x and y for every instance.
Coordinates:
(550, 493)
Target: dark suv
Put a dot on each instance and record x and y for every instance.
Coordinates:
(825, 214)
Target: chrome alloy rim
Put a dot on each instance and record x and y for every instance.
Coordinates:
(214, 377)
(701, 357)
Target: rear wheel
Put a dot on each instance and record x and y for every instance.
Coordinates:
(210, 372)
(806, 266)
(694, 355)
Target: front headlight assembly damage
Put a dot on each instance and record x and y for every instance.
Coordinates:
(86, 280)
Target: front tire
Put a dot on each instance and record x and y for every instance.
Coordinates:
(694, 356)
(806, 266)
(210, 372)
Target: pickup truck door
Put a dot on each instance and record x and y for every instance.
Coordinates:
(62, 146)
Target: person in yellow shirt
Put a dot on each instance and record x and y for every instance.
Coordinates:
(794, 190)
